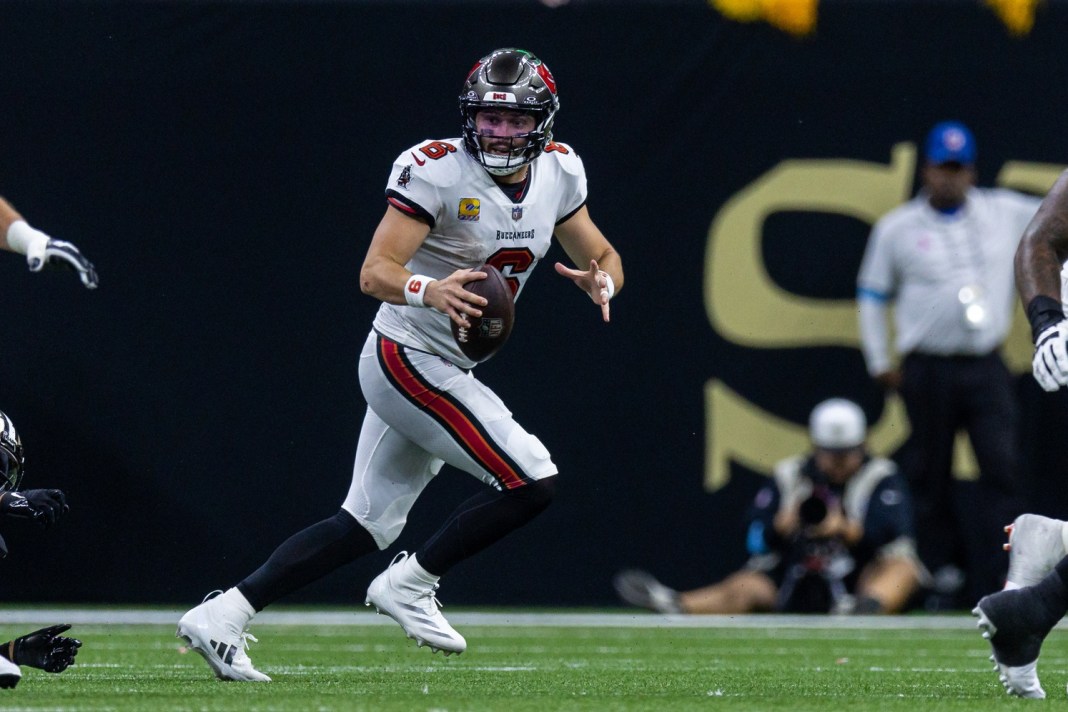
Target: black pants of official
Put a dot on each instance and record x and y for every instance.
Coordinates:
(959, 522)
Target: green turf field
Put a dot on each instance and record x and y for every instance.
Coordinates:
(346, 661)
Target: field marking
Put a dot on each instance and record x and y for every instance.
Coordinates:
(637, 620)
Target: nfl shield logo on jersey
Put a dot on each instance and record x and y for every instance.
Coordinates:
(517, 212)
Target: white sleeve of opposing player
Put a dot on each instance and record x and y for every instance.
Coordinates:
(1064, 287)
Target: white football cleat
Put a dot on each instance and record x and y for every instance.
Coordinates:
(1022, 681)
(210, 629)
(1036, 545)
(1015, 627)
(640, 588)
(10, 674)
(405, 593)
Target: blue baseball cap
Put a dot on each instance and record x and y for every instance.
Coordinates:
(951, 142)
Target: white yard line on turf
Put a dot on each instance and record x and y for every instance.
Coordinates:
(86, 616)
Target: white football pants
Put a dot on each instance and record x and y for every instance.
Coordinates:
(424, 411)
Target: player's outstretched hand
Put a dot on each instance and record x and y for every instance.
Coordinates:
(64, 254)
(44, 649)
(1050, 365)
(43, 506)
(41, 250)
(594, 281)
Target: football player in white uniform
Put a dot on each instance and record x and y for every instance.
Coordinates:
(496, 195)
(1017, 619)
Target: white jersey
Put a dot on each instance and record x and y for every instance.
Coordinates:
(474, 221)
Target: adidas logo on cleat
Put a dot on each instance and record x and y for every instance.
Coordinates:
(226, 652)
(218, 635)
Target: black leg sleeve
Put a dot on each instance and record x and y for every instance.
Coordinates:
(307, 556)
(482, 520)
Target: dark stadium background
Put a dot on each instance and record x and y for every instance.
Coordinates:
(223, 164)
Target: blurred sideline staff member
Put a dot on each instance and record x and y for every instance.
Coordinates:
(46, 648)
(833, 533)
(945, 260)
(16, 235)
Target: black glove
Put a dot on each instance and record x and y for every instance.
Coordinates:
(62, 253)
(41, 505)
(41, 250)
(44, 649)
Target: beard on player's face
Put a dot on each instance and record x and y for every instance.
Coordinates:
(502, 145)
(502, 131)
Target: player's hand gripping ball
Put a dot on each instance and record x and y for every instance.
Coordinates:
(487, 333)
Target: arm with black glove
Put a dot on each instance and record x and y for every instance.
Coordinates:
(41, 250)
(43, 506)
(1049, 330)
(43, 649)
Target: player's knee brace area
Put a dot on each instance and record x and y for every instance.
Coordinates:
(534, 497)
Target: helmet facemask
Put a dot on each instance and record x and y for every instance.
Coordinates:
(12, 458)
(524, 147)
(509, 80)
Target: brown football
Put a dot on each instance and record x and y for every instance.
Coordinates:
(488, 332)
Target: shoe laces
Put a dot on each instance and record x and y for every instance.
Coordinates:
(428, 599)
(212, 594)
(424, 594)
(245, 637)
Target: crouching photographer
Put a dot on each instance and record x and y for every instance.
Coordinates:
(832, 533)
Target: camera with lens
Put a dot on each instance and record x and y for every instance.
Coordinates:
(813, 510)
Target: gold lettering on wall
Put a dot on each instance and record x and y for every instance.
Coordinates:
(740, 297)
(742, 300)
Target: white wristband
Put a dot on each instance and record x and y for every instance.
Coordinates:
(415, 289)
(608, 283)
(20, 236)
